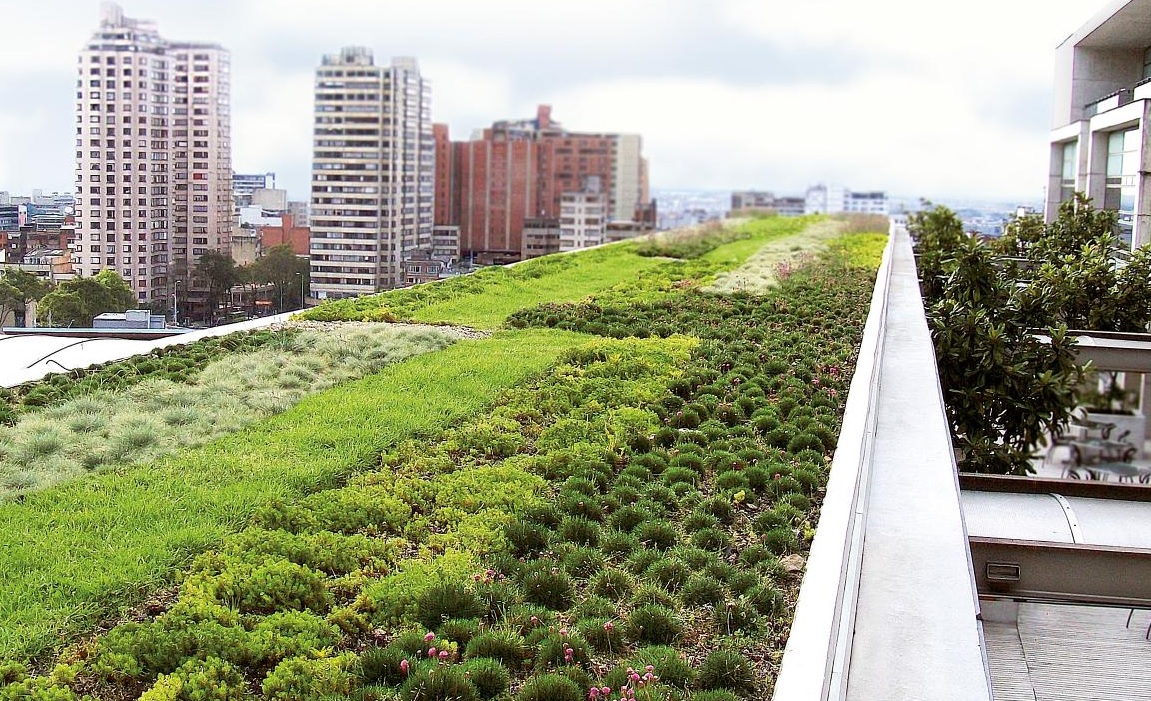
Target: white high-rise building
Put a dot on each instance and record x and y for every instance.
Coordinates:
(1101, 140)
(373, 172)
(153, 155)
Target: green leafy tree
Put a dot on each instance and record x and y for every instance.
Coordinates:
(17, 289)
(76, 302)
(283, 268)
(217, 272)
(1004, 389)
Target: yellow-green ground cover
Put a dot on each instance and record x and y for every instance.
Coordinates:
(627, 507)
(73, 555)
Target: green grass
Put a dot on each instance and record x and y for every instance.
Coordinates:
(589, 275)
(486, 299)
(81, 553)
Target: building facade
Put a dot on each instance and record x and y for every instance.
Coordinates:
(583, 217)
(1102, 103)
(153, 155)
(373, 173)
(520, 170)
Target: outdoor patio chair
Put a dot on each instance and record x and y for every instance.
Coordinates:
(1146, 635)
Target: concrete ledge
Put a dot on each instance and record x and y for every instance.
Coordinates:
(888, 608)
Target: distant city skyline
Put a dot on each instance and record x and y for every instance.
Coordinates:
(949, 101)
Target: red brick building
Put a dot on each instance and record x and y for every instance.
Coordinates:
(520, 169)
(298, 237)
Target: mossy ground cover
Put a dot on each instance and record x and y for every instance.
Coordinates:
(622, 523)
(149, 414)
(179, 363)
(75, 554)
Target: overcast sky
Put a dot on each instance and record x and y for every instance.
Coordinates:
(920, 98)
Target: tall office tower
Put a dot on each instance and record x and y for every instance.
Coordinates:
(373, 173)
(153, 155)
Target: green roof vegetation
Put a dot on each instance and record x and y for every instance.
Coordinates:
(613, 492)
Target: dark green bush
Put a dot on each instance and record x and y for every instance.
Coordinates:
(580, 531)
(612, 584)
(727, 670)
(594, 607)
(550, 687)
(525, 538)
(556, 651)
(488, 676)
(603, 634)
(431, 681)
(459, 630)
(653, 624)
(548, 586)
(641, 560)
(767, 600)
(670, 574)
(618, 544)
(656, 534)
(701, 590)
(381, 665)
(626, 518)
(711, 539)
(505, 646)
(583, 562)
(444, 601)
(668, 663)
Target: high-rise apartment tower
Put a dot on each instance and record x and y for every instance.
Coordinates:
(373, 171)
(153, 155)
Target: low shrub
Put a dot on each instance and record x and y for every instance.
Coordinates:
(550, 687)
(302, 678)
(653, 624)
(702, 590)
(212, 679)
(433, 681)
(504, 646)
(729, 670)
(548, 586)
(658, 534)
(444, 601)
(558, 650)
(488, 676)
(605, 635)
(612, 584)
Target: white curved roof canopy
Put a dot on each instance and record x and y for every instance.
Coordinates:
(28, 358)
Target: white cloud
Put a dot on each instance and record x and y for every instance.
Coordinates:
(943, 99)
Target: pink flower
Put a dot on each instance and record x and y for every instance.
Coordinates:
(563, 631)
(609, 626)
(443, 654)
(404, 665)
(535, 620)
(431, 652)
(593, 693)
(605, 690)
(429, 637)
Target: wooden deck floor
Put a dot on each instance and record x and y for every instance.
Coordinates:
(1070, 653)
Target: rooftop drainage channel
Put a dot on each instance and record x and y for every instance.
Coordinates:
(888, 607)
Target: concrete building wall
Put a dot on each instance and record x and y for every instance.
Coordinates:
(583, 218)
(373, 172)
(626, 176)
(1101, 107)
(153, 170)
